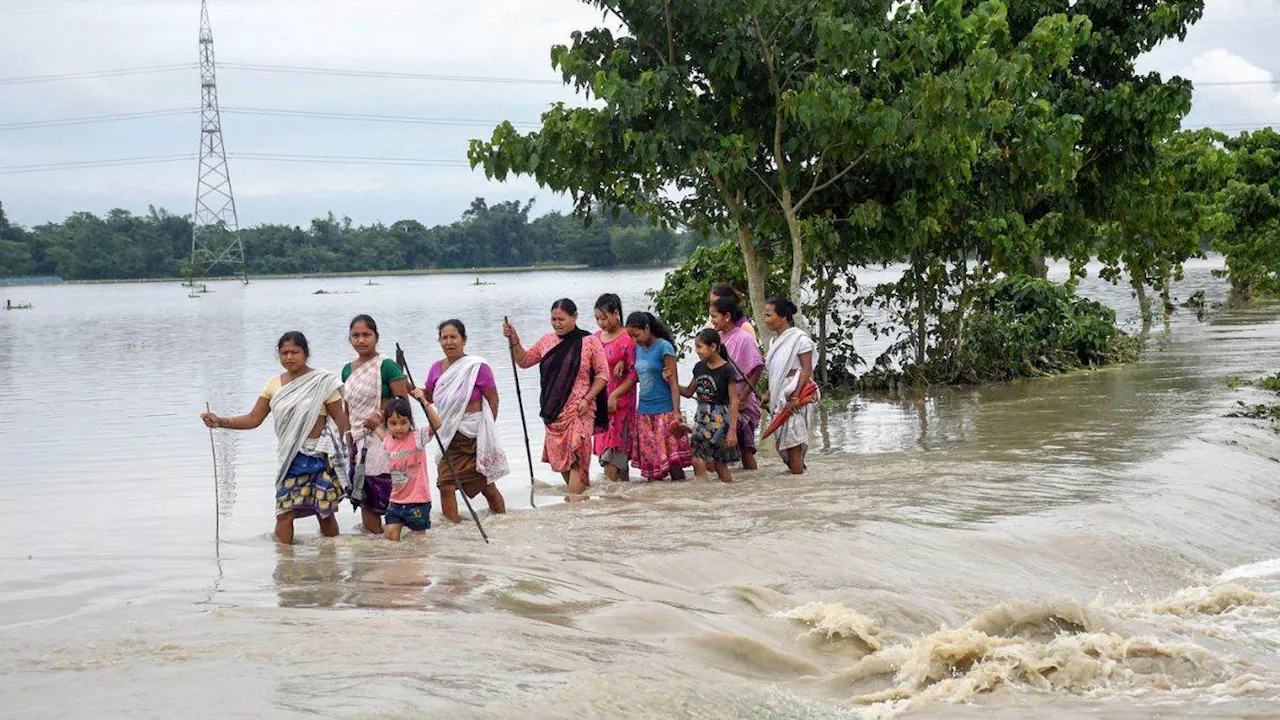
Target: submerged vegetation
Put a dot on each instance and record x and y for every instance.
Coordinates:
(966, 142)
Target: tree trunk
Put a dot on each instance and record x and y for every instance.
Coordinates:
(755, 282)
(1144, 302)
(824, 302)
(1164, 296)
(797, 249)
(921, 322)
(1039, 267)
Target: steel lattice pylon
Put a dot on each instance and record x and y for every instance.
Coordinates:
(214, 237)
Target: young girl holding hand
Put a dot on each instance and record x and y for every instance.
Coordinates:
(715, 431)
(410, 504)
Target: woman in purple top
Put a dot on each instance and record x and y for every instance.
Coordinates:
(465, 394)
(727, 317)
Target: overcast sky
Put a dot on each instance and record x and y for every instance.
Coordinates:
(489, 38)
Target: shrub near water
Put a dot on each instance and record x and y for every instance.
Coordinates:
(1024, 327)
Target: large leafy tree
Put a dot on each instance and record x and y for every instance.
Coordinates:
(1252, 201)
(766, 119)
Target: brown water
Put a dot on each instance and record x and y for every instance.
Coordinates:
(1101, 544)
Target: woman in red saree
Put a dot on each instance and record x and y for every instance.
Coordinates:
(573, 406)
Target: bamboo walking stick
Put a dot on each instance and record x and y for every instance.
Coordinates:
(440, 444)
(515, 371)
(217, 492)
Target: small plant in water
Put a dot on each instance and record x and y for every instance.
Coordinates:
(1234, 382)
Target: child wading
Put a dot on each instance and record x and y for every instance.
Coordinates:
(656, 452)
(410, 504)
(715, 430)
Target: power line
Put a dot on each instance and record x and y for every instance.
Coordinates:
(365, 117)
(384, 74)
(144, 70)
(350, 160)
(245, 156)
(265, 112)
(92, 119)
(86, 164)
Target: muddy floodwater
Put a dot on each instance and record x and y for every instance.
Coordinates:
(1101, 544)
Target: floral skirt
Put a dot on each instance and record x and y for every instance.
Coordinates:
(309, 487)
(710, 429)
(655, 453)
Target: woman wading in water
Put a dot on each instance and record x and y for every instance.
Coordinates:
(573, 407)
(727, 317)
(369, 382)
(613, 446)
(460, 386)
(790, 364)
(302, 400)
(656, 452)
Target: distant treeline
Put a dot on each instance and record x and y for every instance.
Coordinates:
(122, 245)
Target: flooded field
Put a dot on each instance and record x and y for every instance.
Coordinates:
(1100, 544)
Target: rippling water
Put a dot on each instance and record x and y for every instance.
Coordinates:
(1098, 544)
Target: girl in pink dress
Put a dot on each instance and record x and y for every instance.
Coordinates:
(613, 446)
(573, 407)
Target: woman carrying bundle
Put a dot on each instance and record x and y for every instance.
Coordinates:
(573, 406)
(302, 400)
(369, 382)
(790, 364)
(727, 317)
(460, 386)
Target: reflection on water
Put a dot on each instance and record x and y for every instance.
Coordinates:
(1045, 548)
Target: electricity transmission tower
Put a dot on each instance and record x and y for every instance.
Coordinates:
(214, 237)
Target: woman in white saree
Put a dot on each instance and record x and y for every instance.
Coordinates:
(304, 402)
(790, 365)
(465, 394)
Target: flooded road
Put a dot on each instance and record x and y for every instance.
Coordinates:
(1102, 544)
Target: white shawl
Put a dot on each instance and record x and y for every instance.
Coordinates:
(363, 392)
(783, 362)
(295, 407)
(452, 395)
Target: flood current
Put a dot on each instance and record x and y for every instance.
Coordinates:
(1100, 544)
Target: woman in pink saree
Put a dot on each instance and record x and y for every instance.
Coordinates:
(573, 407)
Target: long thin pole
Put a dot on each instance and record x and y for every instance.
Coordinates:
(440, 444)
(217, 493)
(528, 453)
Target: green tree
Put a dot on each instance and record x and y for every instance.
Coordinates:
(763, 113)
(1252, 201)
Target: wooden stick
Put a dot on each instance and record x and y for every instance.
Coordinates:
(217, 492)
(440, 444)
(528, 453)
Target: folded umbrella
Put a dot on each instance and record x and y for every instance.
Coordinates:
(807, 395)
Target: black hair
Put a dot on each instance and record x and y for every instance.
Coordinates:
(784, 309)
(710, 337)
(726, 291)
(610, 303)
(398, 406)
(455, 324)
(642, 320)
(297, 338)
(368, 321)
(728, 306)
(566, 305)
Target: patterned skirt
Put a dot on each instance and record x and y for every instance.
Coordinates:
(655, 453)
(309, 487)
(710, 429)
